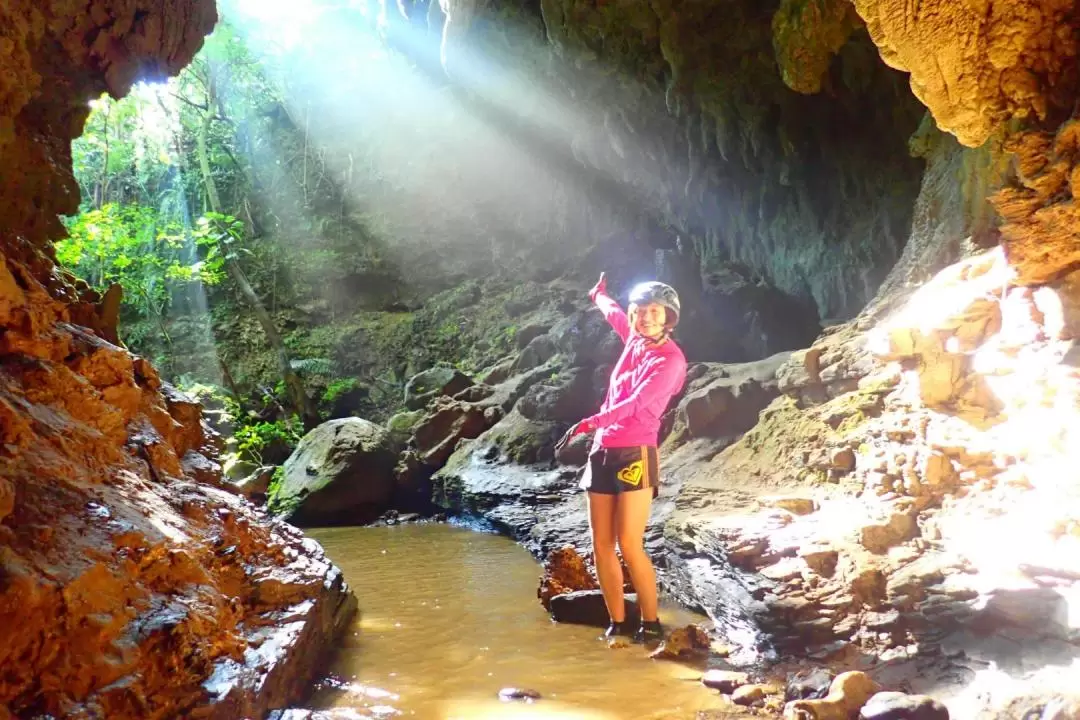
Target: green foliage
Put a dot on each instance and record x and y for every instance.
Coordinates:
(134, 246)
(275, 480)
(337, 388)
(509, 333)
(126, 153)
(314, 366)
(207, 394)
(221, 236)
(252, 439)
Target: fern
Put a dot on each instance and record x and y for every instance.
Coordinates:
(313, 366)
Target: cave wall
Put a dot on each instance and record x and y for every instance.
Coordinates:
(671, 132)
(131, 583)
(56, 58)
(810, 192)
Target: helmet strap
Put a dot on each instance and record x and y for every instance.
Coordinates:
(661, 338)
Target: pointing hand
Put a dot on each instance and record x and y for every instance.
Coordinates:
(600, 287)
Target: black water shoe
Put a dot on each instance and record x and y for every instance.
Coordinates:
(650, 633)
(616, 629)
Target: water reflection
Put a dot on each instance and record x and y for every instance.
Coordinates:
(450, 616)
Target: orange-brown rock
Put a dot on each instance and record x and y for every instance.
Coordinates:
(132, 585)
(564, 571)
(684, 642)
(979, 64)
(981, 67)
(1041, 229)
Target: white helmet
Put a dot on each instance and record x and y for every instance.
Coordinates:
(661, 294)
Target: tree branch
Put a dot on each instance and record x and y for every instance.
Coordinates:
(192, 103)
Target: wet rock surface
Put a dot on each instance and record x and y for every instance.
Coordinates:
(135, 582)
(688, 643)
(725, 681)
(520, 694)
(586, 607)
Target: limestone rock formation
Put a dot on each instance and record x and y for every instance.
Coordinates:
(724, 400)
(1041, 213)
(985, 68)
(806, 36)
(424, 387)
(978, 64)
(132, 585)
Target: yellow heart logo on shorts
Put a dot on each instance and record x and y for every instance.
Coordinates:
(631, 474)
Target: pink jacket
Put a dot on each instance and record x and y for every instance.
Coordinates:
(642, 383)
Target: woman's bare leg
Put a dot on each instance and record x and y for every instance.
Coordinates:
(631, 517)
(608, 570)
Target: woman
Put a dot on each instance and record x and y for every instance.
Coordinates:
(622, 474)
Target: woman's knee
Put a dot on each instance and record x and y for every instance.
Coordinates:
(632, 549)
(604, 537)
(603, 544)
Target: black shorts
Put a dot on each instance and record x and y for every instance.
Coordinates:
(611, 471)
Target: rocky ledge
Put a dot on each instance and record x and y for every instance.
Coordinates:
(133, 583)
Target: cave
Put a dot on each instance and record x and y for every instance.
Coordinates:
(868, 208)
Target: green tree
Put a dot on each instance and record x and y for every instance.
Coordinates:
(227, 231)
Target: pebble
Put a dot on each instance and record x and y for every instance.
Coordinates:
(724, 680)
(513, 693)
(809, 684)
(749, 694)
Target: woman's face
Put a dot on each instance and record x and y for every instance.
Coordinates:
(648, 319)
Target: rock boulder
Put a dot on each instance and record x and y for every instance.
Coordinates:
(430, 384)
(342, 472)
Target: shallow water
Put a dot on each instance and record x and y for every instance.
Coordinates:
(449, 616)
